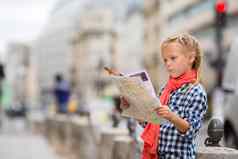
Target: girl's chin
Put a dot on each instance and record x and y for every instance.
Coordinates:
(174, 75)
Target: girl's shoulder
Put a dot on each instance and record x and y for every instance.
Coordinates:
(197, 89)
(189, 89)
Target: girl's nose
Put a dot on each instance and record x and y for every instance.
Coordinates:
(168, 64)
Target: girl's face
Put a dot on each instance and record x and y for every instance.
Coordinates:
(176, 60)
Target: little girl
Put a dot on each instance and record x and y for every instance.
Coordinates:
(183, 103)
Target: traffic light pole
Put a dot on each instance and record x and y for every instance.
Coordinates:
(220, 55)
(218, 94)
(220, 24)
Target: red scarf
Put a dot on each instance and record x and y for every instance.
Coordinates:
(151, 132)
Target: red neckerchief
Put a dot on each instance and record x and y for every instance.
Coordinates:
(151, 132)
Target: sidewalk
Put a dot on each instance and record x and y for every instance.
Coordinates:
(17, 143)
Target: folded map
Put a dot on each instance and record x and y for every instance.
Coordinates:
(138, 90)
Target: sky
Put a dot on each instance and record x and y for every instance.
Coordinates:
(22, 20)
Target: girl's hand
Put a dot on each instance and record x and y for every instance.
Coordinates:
(164, 112)
(124, 103)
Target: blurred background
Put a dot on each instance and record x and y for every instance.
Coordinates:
(52, 55)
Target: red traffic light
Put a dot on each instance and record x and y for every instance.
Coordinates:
(221, 6)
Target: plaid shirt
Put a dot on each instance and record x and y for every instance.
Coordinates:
(190, 103)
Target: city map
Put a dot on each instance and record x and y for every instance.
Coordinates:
(138, 90)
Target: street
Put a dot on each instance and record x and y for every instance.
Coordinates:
(17, 142)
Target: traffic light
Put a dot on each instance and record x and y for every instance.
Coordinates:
(221, 11)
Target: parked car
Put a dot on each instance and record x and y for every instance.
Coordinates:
(230, 85)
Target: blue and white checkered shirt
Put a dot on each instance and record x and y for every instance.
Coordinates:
(190, 103)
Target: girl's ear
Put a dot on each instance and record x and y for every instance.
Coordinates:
(192, 57)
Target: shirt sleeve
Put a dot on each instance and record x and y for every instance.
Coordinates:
(194, 112)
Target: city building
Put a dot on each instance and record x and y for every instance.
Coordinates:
(92, 50)
(152, 31)
(130, 43)
(52, 50)
(81, 37)
(17, 72)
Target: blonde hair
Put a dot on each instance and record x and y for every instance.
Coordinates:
(189, 43)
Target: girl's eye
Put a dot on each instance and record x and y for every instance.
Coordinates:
(165, 60)
(173, 58)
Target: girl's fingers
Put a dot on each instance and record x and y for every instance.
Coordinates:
(158, 108)
(161, 109)
(162, 113)
(124, 104)
(164, 110)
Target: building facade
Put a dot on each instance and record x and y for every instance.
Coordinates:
(54, 43)
(92, 50)
(130, 44)
(81, 38)
(152, 31)
(18, 72)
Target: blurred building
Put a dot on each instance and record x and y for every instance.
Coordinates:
(52, 48)
(92, 50)
(127, 51)
(152, 31)
(83, 36)
(130, 43)
(17, 71)
(1, 57)
(127, 43)
(106, 39)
